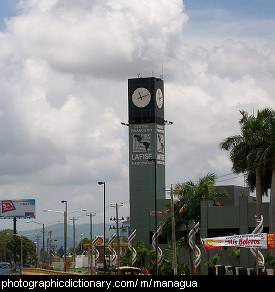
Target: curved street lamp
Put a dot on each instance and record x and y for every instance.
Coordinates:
(65, 227)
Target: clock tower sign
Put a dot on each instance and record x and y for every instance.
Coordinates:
(146, 154)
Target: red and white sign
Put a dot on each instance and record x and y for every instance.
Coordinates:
(17, 208)
(261, 241)
(271, 240)
(159, 213)
(7, 205)
(99, 240)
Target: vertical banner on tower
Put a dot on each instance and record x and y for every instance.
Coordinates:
(271, 240)
(147, 141)
(160, 144)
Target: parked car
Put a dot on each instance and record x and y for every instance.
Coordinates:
(5, 268)
(128, 271)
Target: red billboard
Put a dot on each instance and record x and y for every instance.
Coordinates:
(24, 208)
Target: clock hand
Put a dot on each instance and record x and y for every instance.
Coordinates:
(141, 96)
(144, 95)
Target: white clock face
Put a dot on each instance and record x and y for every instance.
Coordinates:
(141, 97)
(159, 98)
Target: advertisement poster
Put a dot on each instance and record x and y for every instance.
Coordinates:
(17, 208)
(261, 241)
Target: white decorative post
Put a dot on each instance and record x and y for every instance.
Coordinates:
(160, 253)
(196, 251)
(131, 248)
(112, 251)
(260, 262)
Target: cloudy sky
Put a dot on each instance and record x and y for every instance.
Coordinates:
(64, 66)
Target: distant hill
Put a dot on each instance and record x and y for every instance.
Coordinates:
(57, 233)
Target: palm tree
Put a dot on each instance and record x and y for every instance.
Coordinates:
(266, 157)
(250, 178)
(189, 195)
(253, 152)
(187, 207)
(243, 150)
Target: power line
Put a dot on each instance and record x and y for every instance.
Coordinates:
(218, 178)
(231, 178)
(223, 175)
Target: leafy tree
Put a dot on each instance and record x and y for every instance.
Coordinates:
(79, 248)
(6, 255)
(167, 266)
(187, 208)
(213, 260)
(253, 152)
(142, 253)
(9, 245)
(190, 194)
(269, 260)
(236, 252)
(126, 258)
(266, 157)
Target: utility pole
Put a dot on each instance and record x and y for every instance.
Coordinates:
(117, 230)
(74, 257)
(174, 243)
(14, 238)
(43, 242)
(156, 211)
(65, 233)
(37, 237)
(91, 236)
(104, 223)
(50, 246)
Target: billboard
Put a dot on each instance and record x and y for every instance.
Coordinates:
(258, 240)
(17, 208)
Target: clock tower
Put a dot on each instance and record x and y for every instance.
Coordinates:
(146, 154)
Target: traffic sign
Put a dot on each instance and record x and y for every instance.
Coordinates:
(67, 264)
(60, 252)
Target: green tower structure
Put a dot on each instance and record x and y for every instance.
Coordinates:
(146, 154)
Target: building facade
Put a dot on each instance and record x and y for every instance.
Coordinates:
(236, 215)
(146, 153)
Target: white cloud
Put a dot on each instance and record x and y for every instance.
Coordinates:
(103, 39)
(64, 67)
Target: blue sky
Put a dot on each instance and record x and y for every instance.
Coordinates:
(7, 9)
(230, 19)
(205, 16)
(247, 8)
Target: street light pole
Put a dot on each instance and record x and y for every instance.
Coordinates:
(174, 242)
(116, 205)
(21, 248)
(74, 254)
(91, 236)
(65, 226)
(43, 239)
(104, 208)
(156, 218)
(65, 233)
